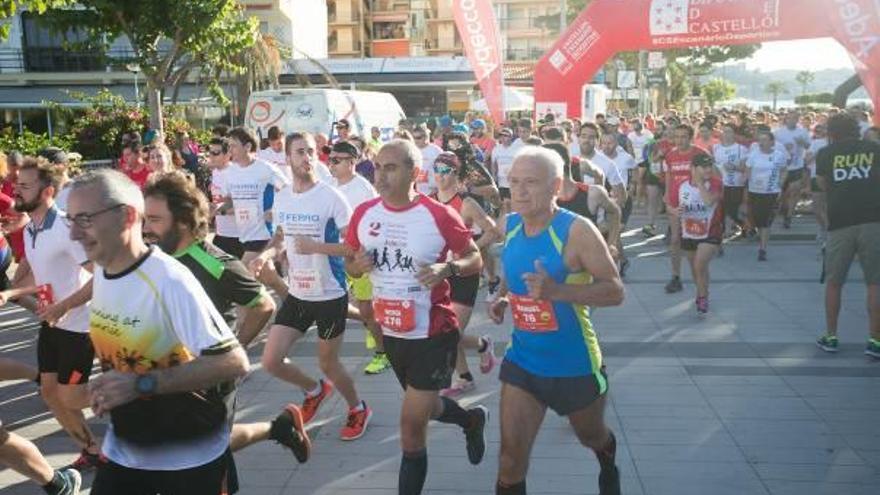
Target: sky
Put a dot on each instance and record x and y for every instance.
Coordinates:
(813, 54)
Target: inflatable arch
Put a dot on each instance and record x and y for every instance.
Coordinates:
(606, 27)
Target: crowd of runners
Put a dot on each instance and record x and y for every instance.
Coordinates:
(166, 277)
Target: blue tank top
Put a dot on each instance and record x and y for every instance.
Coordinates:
(572, 349)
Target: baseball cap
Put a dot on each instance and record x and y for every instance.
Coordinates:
(342, 123)
(346, 147)
(504, 131)
(445, 121)
(55, 156)
(478, 124)
(463, 128)
(448, 158)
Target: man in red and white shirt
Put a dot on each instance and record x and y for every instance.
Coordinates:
(677, 169)
(402, 240)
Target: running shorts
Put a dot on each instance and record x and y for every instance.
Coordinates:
(844, 244)
(564, 395)
(69, 354)
(691, 244)
(792, 176)
(213, 478)
(761, 208)
(329, 316)
(464, 289)
(423, 364)
(733, 198)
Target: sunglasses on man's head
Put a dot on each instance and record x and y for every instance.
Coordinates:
(443, 169)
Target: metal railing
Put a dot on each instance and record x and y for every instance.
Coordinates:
(57, 59)
(532, 53)
(548, 22)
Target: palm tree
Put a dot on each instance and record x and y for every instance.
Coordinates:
(775, 88)
(805, 77)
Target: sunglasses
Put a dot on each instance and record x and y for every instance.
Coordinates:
(443, 169)
(215, 153)
(335, 160)
(418, 136)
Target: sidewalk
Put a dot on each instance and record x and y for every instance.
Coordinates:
(740, 402)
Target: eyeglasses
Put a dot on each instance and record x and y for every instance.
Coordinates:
(336, 160)
(84, 220)
(443, 170)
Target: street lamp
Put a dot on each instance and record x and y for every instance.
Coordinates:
(135, 69)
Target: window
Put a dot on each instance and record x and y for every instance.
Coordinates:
(44, 49)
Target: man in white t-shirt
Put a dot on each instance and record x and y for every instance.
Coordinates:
(796, 140)
(274, 153)
(250, 189)
(639, 137)
(617, 162)
(225, 229)
(60, 268)
(310, 217)
(169, 358)
(502, 160)
(430, 151)
(358, 190)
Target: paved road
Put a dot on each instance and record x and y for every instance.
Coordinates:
(739, 402)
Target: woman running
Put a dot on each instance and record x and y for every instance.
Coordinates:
(702, 223)
(766, 169)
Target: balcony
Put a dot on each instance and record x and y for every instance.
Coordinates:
(354, 48)
(386, 6)
(390, 48)
(531, 53)
(548, 22)
(57, 59)
(351, 18)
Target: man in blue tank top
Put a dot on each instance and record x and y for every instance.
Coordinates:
(556, 266)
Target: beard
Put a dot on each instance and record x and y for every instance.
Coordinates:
(23, 206)
(167, 243)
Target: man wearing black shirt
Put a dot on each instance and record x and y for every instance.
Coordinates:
(848, 169)
(176, 219)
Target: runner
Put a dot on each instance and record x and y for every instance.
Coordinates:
(176, 220)
(652, 174)
(848, 171)
(25, 458)
(447, 170)
(430, 151)
(64, 352)
(702, 223)
(625, 164)
(309, 217)
(766, 173)
(677, 169)
(225, 229)
(250, 189)
(557, 264)
(402, 240)
(358, 190)
(730, 158)
(136, 164)
(795, 140)
(168, 357)
(820, 140)
(274, 153)
(502, 159)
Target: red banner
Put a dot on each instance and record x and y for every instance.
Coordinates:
(595, 36)
(479, 33)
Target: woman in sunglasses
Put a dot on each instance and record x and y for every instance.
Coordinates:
(702, 223)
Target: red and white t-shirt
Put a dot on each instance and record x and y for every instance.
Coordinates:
(401, 241)
(677, 167)
(699, 221)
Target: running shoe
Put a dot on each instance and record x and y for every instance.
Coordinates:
(492, 293)
(762, 255)
(827, 343)
(311, 404)
(674, 285)
(288, 429)
(702, 305)
(72, 481)
(86, 461)
(488, 360)
(609, 476)
(378, 364)
(649, 230)
(356, 424)
(460, 387)
(475, 435)
(369, 340)
(873, 348)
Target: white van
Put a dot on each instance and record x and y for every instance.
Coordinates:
(315, 110)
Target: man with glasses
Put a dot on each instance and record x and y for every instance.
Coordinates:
(358, 190)
(310, 217)
(225, 229)
(250, 189)
(430, 151)
(60, 268)
(169, 358)
(401, 240)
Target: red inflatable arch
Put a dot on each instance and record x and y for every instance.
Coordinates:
(606, 27)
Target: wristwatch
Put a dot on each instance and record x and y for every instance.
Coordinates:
(453, 269)
(145, 384)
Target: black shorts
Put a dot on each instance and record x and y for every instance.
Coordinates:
(504, 192)
(229, 245)
(564, 395)
(464, 289)
(423, 364)
(254, 246)
(792, 176)
(733, 198)
(213, 478)
(301, 315)
(70, 354)
(761, 208)
(691, 244)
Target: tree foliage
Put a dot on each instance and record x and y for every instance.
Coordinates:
(9, 8)
(718, 90)
(804, 78)
(776, 88)
(169, 38)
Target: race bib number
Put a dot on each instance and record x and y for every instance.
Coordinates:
(696, 228)
(306, 281)
(45, 296)
(246, 214)
(395, 314)
(533, 315)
